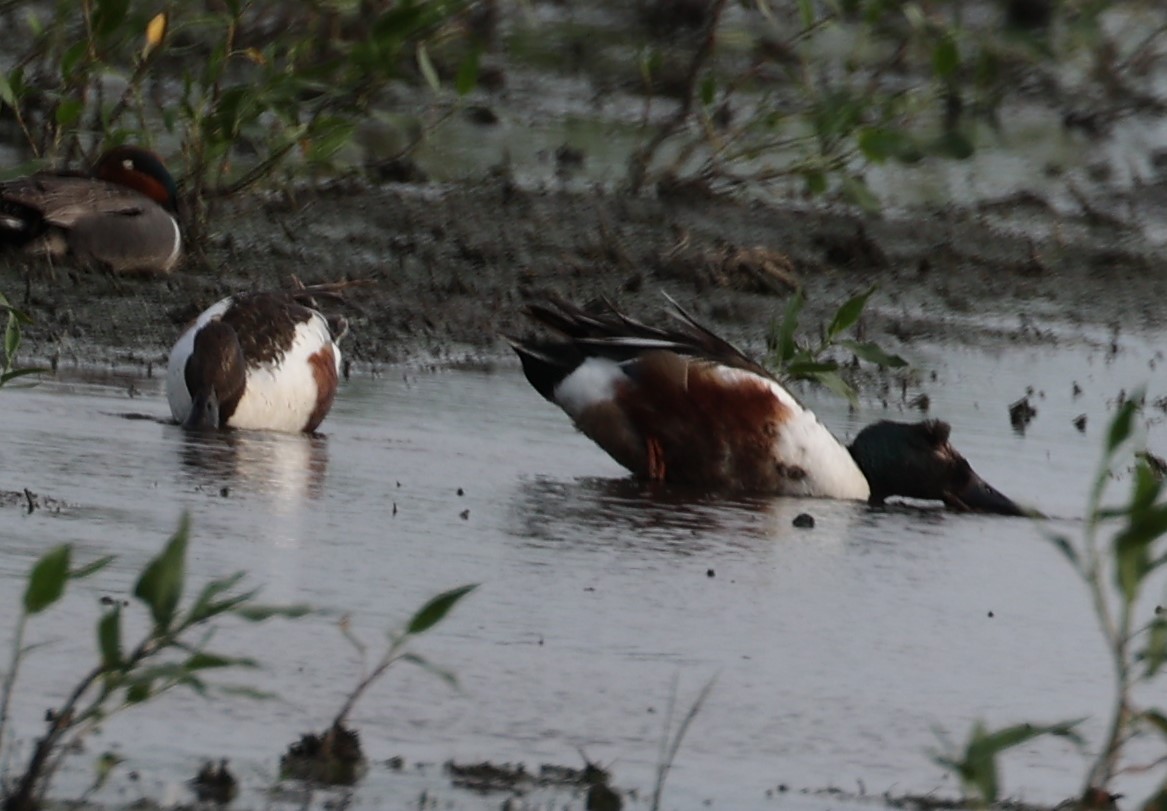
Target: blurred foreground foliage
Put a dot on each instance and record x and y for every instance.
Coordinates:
(789, 93)
(221, 78)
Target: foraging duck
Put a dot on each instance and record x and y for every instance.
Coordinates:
(256, 360)
(685, 406)
(121, 216)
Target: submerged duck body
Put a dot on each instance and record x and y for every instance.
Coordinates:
(120, 217)
(684, 406)
(255, 361)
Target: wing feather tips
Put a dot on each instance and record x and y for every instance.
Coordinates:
(545, 365)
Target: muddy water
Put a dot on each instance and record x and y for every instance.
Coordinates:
(839, 653)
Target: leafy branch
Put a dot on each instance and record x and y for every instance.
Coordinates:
(162, 660)
(802, 360)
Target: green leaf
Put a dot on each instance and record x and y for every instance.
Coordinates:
(68, 113)
(872, 353)
(204, 605)
(1122, 425)
(425, 664)
(108, 16)
(160, 584)
(73, 54)
(11, 339)
(139, 692)
(7, 94)
(806, 12)
(708, 90)
(1156, 651)
(109, 639)
(651, 61)
(859, 193)
(15, 373)
(91, 568)
(46, 582)
(878, 144)
(816, 181)
(1063, 545)
(432, 612)
(104, 765)
(259, 613)
(978, 766)
(954, 145)
(427, 68)
(1157, 720)
(244, 691)
(838, 385)
(203, 660)
(1132, 545)
(467, 78)
(848, 313)
(328, 135)
(784, 343)
(945, 57)
(810, 369)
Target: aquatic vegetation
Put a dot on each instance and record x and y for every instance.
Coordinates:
(12, 335)
(168, 656)
(275, 80)
(801, 360)
(808, 96)
(334, 757)
(1116, 570)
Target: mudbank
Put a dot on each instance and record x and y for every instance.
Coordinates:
(447, 269)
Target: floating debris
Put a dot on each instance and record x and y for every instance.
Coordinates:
(922, 402)
(1021, 413)
(804, 521)
(214, 784)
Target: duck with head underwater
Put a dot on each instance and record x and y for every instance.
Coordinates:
(121, 216)
(684, 406)
(265, 360)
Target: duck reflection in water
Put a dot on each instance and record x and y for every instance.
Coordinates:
(600, 511)
(291, 467)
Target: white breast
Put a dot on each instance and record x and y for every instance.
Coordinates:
(281, 396)
(807, 443)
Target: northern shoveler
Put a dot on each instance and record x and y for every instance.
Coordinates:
(256, 360)
(685, 406)
(121, 216)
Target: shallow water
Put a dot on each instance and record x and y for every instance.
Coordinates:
(839, 653)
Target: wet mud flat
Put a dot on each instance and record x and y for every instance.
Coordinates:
(448, 267)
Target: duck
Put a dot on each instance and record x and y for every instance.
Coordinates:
(122, 216)
(683, 406)
(260, 360)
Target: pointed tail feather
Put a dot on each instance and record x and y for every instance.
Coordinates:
(546, 364)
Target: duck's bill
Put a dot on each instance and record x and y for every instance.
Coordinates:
(979, 496)
(204, 412)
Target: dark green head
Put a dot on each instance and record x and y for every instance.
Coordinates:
(916, 460)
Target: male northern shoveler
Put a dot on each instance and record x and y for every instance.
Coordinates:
(120, 217)
(256, 360)
(685, 406)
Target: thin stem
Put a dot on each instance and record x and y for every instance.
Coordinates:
(10, 677)
(388, 659)
(1104, 768)
(669, 749)
(25, 797)
(638, 166)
